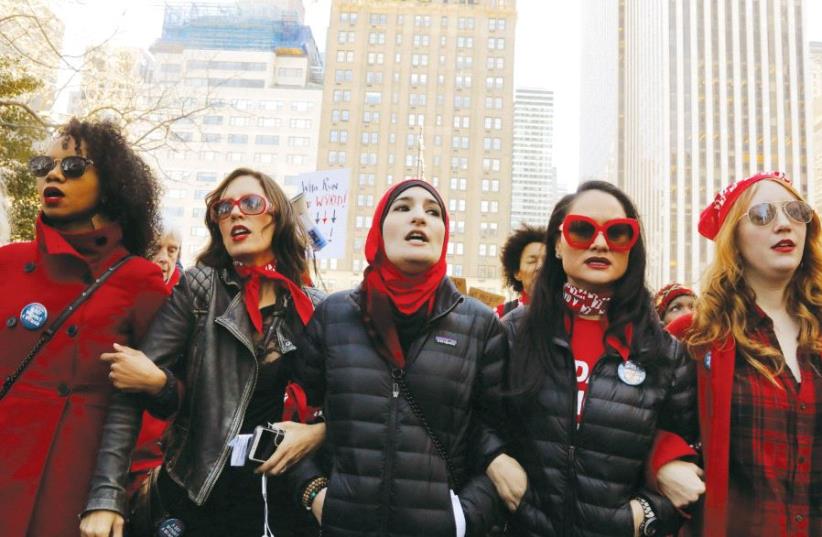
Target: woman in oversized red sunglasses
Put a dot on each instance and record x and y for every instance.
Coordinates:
(592, 378)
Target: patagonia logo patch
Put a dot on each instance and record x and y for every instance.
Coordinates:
(446, 341)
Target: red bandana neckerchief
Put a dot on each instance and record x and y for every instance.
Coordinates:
(584, 302)
(385, 285)
(251, 289)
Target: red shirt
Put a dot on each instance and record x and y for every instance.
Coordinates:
(776, 449)
(587, 348)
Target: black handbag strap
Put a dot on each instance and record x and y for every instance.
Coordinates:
(399, 377)
(47, 334)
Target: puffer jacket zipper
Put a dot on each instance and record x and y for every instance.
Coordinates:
(390, 450)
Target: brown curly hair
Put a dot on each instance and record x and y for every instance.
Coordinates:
(725, 302)
(129, 192)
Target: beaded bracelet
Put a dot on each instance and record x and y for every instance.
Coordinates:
(312, 490)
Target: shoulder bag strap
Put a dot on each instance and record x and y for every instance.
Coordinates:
(399, 377)
(46, 336)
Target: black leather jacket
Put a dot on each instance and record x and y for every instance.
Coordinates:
(212, 340)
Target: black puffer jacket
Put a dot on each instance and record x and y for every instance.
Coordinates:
(386, 477)
(582, 479)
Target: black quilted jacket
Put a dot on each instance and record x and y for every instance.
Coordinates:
(581, 479)
(386, 477)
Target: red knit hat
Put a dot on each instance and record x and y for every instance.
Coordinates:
(712, 218)
(667, 294)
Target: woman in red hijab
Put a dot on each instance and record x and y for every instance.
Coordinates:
(408, 371)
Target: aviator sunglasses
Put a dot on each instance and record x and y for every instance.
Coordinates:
(580, 232)
(72, 167)
(250, 205)
(763, 214)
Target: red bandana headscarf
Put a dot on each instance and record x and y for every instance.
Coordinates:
(384, 284)
(251, 289)
(713, 216)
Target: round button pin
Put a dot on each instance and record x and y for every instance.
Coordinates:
(631, 373)
(171, 527)
(34, 316)
(11, 322)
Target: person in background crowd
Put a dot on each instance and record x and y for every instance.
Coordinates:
(409, 373)
(99, 205)
(235, 327)
(167, 256)
(673, 301)
(756, 337)
(522, 257)
(592, 377)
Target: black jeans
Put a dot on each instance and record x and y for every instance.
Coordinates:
(235, 507)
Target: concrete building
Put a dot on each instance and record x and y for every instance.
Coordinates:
(245, 86)
(599, 81)
(411, 79)
(708, 92)
(534, 189)
(815, 68)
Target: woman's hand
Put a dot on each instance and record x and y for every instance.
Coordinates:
(681, 482)
(317, 506)
(131, 370)
(299, 441)
(509, 478)
(102, 524)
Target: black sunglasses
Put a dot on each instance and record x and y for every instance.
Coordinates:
(72, 167)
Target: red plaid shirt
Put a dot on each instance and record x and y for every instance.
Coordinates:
(776, 449)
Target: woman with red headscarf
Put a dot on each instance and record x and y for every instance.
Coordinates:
(408, 371)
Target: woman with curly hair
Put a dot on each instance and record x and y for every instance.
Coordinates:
(757, 337)
(522, 257)
(98, 217)
(592, 378)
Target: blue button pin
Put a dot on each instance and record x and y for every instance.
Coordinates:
(34, 316)
(171, 527)
(631, 373)
(708, 360)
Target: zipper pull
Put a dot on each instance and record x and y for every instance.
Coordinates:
(396, 376)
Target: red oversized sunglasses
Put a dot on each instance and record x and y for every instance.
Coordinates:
(580, 232)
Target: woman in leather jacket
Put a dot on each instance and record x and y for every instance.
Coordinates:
(234, 327)
(408, 371)
(592, 378)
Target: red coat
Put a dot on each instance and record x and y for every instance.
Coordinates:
(715, 385)
(53, 416)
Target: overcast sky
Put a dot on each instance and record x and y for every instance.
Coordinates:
(547, 49)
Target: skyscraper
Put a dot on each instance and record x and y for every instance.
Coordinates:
(708, 92)
(411, 80)
(246, 85)
(815, 68)
(534, 182)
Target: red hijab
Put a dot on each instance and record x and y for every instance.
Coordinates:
(384, 284)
